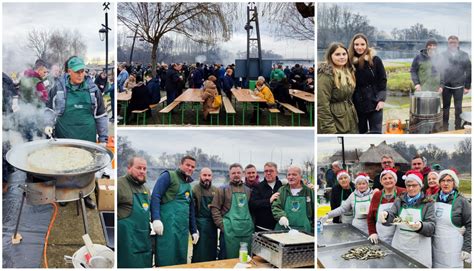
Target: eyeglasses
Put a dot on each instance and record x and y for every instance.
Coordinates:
(411, 185)
(386, 162)
(447, 181)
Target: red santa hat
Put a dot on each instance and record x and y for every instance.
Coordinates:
(413, 175)
(390, 171)
(452, 173)
(362, 177)
(342, 173)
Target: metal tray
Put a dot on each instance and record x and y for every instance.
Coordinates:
(282, 256)
(330, 257)
(335, 234)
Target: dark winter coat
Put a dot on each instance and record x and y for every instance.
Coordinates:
(173, 81)
(336, 198)
(456, 71)
(140, 98)
(423, 72)
(260, 206)
(371, 83)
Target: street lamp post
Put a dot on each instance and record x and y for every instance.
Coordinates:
(104, 31)
(340, 139)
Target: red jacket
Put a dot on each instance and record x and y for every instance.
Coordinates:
(374, 205)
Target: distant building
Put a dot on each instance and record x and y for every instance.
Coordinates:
(369, 161)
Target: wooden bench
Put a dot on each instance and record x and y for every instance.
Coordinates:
(154, 109)
(142, 114)
(167, 110)
(229, 110)
(215, 113)
(293, 111)
(273, 112)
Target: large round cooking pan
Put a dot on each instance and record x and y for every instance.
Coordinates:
(425, 103)
(18, 156)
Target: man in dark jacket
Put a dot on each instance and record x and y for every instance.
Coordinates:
(228, 83)
(423, 71)
(101, 81)
(173, 82)
(387, 162)
(198, 76)
(153, 85)
(455, 80)
(263, 196)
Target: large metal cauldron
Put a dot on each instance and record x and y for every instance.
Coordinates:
(65, 185)
(426, 116)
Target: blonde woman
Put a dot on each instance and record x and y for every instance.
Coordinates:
(336, 82)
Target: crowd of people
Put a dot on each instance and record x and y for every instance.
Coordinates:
(432, 218)
(352, 84)
(57, 102)
(216, 79)
(218, 219)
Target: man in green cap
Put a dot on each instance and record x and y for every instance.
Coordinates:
(230, 212)
(172, 212)
(133, 213)
(206, 249)
(75, 108)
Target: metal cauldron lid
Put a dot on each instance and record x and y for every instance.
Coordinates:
(17, 156)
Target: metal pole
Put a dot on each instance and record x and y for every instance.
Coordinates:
(343, 156)
(19, 214)
(106, 43)
(84, 215)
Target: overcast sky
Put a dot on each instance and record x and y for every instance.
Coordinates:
(447, 18)
(253, 146)
(291, 48)
(329, 145)
(87, 18)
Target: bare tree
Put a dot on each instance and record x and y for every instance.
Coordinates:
(196, 21)
(38, 42)
(290, 20)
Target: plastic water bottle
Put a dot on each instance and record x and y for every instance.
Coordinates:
(320, 227)
(243, 252)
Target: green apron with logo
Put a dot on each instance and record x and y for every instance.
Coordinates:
(295, 209)
(134, 242)
(206, 248)
(238, 225)
(172, 246)
(77, 121)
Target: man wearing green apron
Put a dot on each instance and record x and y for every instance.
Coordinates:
(230, 212)
(76, 108)
(172, 212)
(206, 249)
(295, 206)
(133, 213)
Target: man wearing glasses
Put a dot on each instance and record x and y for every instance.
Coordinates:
(387, 162)
(263, 196)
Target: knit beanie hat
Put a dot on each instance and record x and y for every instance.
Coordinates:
(434, 173)
(342, 173)
(451, 173)
(431, 42)
(413, 175)
(390, 171)
(361, 177)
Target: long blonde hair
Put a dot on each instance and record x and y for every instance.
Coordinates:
(342, 76)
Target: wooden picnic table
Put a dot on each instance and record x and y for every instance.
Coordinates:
(191, 95)
(244, 96)
(123, 98)
(258, 262)
(307, 97)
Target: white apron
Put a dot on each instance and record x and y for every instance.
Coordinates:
(385, 233)
(411, 243)
(361, 209)
(447, 241)
(346, 217)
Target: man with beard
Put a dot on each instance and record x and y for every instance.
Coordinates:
(133, 212)
(172, 212)
(251, 176)
(295, 206)
(264, 194)
(203, 194)
(231, 214)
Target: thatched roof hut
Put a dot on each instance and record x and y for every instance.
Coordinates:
(374, 154)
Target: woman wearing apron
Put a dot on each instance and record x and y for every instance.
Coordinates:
(382, 201)
(414, 238)
(358, 203)
(452, 213)
(341, 192)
